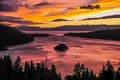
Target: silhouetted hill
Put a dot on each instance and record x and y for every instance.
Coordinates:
(28, 28)
(71, 28)
(10, 36)
(101, 34)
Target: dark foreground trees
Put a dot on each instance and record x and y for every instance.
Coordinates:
(80, 72)
(15, 71)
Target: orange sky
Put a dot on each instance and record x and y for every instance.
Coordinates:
(44, 14)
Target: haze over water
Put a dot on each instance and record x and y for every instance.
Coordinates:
(93, 53)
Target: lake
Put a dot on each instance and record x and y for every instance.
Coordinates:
(93, 53)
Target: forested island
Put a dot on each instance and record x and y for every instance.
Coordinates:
(10, 36)
(14, 70)
(101, 34)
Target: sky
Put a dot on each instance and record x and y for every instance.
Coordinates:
(54, 13)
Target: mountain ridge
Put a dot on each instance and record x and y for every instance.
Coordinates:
(70, 28)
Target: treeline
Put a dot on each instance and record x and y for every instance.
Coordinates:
(10, 36)
(101, 34)
(10, 70)
(80, 72)
(15, 71)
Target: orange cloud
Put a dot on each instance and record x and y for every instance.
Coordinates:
(59, 10)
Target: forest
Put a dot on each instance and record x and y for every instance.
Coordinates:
(15, 70)
(11, 36)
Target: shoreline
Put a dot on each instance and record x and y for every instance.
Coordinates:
(11, 37)
(101, 34)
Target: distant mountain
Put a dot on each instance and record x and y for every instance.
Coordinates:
(71, 27)
(101, 34)
(28, 28)
(10, 36)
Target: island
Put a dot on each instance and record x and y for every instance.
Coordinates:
(10, 36)
(61, 47)
(100, 34)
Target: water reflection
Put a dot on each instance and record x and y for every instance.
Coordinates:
(91, 52)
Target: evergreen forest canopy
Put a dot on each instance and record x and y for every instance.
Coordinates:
(13, 70)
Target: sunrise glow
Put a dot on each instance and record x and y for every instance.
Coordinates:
(42, 12)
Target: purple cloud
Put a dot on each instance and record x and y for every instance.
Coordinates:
(105, 17)
(16, 20)
(43, 3)
(9, 5)
(70, 9)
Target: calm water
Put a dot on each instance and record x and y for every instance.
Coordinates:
(91, 52)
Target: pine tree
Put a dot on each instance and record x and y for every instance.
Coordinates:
(17, 64)
(16, 68)
(31, 74)
(7, 67)
(53, 72)
(26, 70)
(92, 76)
(107, 72)
(117, 75)
(77, 71)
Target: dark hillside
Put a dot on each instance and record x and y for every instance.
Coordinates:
(10, 36)
(101, 34)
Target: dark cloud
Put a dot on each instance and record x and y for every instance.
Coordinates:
(59, 20)
(43, 3)
(70, 9)
(90, 7)
(16, 20)
(6, 8)
(105, 17)
(9, 5)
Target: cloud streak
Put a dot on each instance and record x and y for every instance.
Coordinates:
(43, 3)
(60, 12)
(53, 13)
(59, 20)
(105, 17)
(16, 20)
(70, 9)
